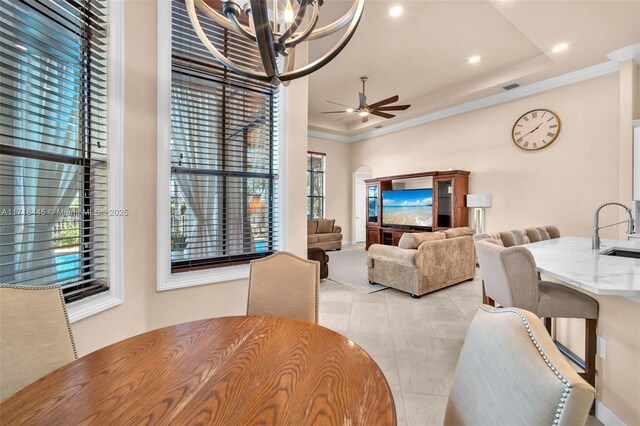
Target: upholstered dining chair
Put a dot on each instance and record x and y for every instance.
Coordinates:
(35, 335)
(511, 279)
(511, 373)
(285, 285)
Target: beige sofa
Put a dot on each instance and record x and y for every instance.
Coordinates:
(324, 234)
(424, 262)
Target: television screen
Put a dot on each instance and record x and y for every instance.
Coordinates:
(409, 207)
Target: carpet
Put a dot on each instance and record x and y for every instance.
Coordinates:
(349, 267)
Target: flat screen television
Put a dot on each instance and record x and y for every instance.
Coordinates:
(408, 208)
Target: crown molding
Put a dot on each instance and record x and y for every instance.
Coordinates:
(330, 136)
(626, 53)
(583, 74)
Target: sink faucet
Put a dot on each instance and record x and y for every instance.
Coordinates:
(595, 243)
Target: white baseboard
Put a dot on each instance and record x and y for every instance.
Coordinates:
(606, 416)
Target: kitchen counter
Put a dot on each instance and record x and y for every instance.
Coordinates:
(572, 261)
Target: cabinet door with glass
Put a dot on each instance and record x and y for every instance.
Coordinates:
(373, 203)
(444, 205)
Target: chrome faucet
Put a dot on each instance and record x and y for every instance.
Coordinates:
(595, 243)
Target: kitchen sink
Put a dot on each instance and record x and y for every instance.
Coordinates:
(622, 252)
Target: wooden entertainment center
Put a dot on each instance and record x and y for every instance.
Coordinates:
(449, 203)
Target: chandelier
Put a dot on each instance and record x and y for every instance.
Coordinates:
(276, 32)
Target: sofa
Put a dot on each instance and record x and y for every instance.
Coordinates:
(424, 262)
(324, 234)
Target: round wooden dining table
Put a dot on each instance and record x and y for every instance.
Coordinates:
(241, 370)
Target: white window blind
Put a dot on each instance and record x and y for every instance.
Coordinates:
(53, 144)
(224, 162)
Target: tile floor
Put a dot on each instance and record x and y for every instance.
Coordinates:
(416, 342)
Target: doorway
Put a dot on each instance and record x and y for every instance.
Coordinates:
(359, 207)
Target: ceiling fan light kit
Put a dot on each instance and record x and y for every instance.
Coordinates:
(379, 109)
(275, 33)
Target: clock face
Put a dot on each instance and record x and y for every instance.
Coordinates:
(536, 129)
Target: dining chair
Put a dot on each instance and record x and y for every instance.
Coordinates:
(35, 335)
(510, 278)
(510, 373)
(285, 285)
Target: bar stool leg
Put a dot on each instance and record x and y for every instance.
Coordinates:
(486, 299)
(590, 351)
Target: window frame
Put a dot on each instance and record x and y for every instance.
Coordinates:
(114, 296)
(166, 279)
(310, 195)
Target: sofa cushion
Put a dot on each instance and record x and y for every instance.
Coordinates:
(325, 238)
(325, 226)
(411, 240)
(312, 226)
(458, 232)
(312, 239)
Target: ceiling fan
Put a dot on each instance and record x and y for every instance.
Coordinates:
(381, 108)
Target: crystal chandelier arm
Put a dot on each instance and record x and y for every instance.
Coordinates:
(264, 37)
(340, 23)
(295, 24)
(218, 18)
(247, 72)
(327, 57)
(299, 37)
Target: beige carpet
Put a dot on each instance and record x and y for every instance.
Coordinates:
(349, 267)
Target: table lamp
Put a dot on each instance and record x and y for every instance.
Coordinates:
(478, 202)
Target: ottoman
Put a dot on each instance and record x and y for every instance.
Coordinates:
(316, 253)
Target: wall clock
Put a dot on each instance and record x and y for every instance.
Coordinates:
(536, 129)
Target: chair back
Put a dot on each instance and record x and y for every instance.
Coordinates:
(35, 335)
(284, 285)
(511, 373)
(510, 274)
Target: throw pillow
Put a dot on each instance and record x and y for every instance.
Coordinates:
(325, 226)
(410, 240)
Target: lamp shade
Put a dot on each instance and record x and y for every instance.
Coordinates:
(479, 200)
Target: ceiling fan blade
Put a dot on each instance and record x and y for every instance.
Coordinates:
(336, 103)
(393, 108)
(363, 100)
(333, 112)
(385, 102)
(365, 118)
(382, 114)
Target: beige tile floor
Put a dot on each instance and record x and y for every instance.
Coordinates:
(416, 342)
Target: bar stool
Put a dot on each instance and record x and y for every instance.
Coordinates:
(511, 279)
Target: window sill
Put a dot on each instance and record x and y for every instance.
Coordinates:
(92, 305)
(208, 276)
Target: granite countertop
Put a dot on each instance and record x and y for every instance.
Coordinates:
(571, 260)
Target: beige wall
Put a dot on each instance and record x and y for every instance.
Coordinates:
(562, 185)
(338, 181)
(145, 308)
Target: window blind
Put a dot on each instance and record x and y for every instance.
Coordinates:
(53, 144)
(224, 160)
(315, 185)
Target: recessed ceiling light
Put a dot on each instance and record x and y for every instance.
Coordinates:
(560, 47)
(474, 59)
(395, 11)
(21, 47)
(349, 109)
